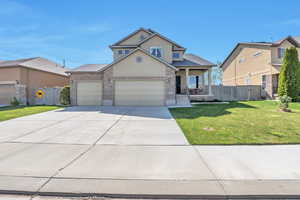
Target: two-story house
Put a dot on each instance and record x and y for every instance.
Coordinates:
(148, 69)
(257, 63)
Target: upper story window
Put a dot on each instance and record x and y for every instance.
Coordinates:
(156, 51)
(242, 60)
(257, 53)
(142, 37)
(280, 52)
(176, 55)
(123, 51)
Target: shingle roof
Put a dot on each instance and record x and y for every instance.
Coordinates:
(192, 60)
(297, 38)
(37, 63)
(88, 68)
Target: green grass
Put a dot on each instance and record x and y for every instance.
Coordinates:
(10, 112)
(249, 122)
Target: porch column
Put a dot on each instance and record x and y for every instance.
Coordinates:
(197, 81)
(203, 79)
(209, 81)
(187, 80)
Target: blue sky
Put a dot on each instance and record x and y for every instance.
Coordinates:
(80, 31)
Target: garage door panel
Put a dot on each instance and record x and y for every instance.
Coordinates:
(139, 93)
(89, 93)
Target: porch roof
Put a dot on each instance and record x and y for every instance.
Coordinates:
(191, 60)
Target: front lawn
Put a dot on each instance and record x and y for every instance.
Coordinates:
(10, 112)
(249, 122)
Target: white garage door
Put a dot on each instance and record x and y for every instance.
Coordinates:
(139, 93)
(89, 93)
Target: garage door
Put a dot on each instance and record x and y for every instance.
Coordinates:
(89, 93)
(139, 93)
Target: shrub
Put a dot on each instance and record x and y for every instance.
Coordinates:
(64, 97)
(284, 102)
(14, 102)
(297, 99)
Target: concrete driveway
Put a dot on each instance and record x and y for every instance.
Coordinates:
(134, 151)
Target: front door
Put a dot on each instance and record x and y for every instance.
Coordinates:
(178, 84)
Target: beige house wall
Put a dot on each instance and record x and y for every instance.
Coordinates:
(159, 42)
(134, 39)
(10, 74)
(129, 67)
(37, 79)
(248, 66)
(274, 52)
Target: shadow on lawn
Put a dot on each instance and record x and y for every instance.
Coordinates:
(207, 110)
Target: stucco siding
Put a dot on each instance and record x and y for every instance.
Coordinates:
(148, 67)
(10, 74)
(274, 52)
(36, 79)
(159, 42)
(248, 66)
(134, 39)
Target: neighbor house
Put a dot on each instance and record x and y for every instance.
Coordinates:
(148, 69)
(257, 63)
(32, 73)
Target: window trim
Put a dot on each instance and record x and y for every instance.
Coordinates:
(123, 51)
(280, 52)
(156, 47)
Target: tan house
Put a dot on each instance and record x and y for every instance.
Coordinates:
(257, 63)
(32, 73)
(148, 69)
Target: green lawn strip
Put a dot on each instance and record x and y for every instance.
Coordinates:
(10, 112)
(249, 122)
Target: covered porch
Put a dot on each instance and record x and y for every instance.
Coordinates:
(194, 78)
(194, 82)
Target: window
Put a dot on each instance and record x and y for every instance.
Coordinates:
(142, 37)
(156, 51)
(192, 82)
(280, 52)
(257, 53)
(122, 51)
(176, 55)
(242, 60)
(263, 81)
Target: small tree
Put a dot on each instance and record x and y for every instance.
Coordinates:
(64, 97)
(289, 74)
(284, 103)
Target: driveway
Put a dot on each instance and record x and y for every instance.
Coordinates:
(134, 151)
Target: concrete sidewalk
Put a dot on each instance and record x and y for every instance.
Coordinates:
(135, 152)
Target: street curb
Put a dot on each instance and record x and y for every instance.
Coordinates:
(146, 196)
